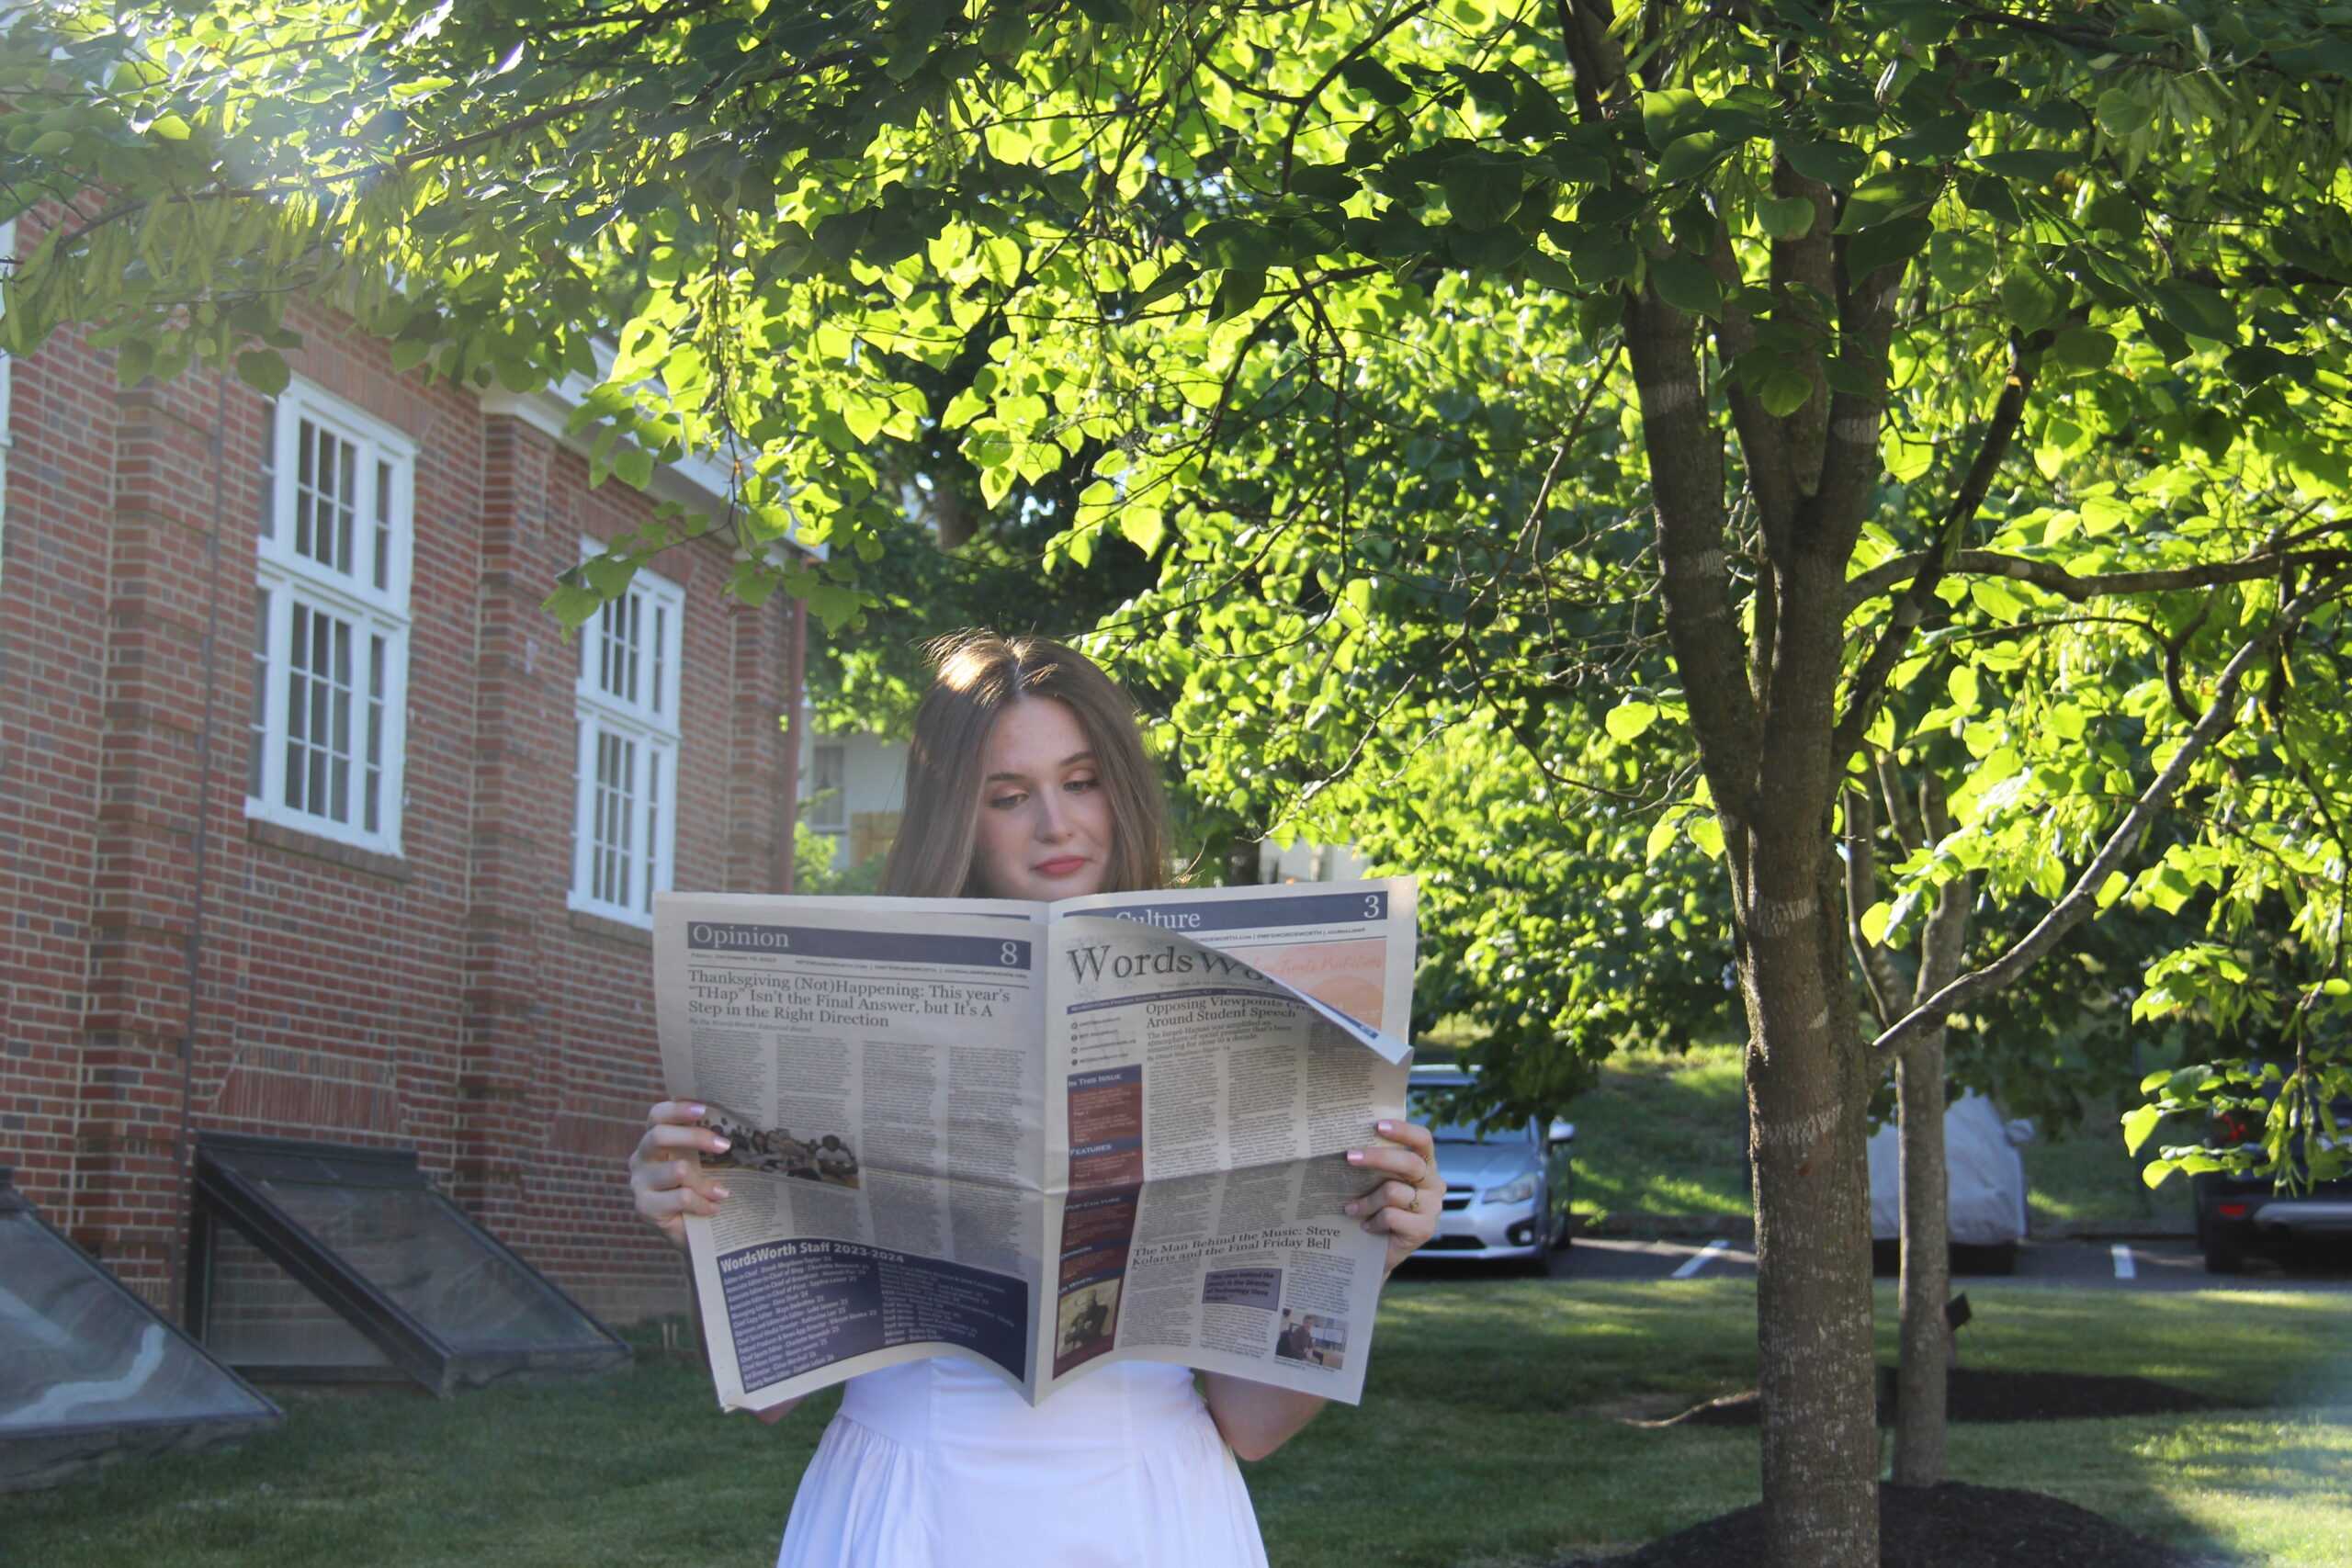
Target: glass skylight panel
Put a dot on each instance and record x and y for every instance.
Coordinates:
(87, 1369)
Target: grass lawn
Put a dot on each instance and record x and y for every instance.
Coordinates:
(1492, 1434)
(1666, 1133)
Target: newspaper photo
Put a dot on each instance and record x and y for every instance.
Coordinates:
(1041, 1137)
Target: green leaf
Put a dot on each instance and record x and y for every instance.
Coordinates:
(263, 370)
(1239, 289)
(1786, 217)
(1376, 82)
(2155, 1171)
(2112, 888)
(2030, 301)
(1143, 526)
(134, 361)
(634, 463)
(1834, 163)
(2198, 311)
(1687, 284)
(1669, 117)
(2035, 165)
(1960, 262)
(2138, 1123)
(1875, 921)
(2124, 113)
(1661, 834)
(1690, 156)
(1881, 198)
(1783, 391)
(1886, 246)
(2085, 348)
(1628, 720)
(1166, 283)
(1707, 833)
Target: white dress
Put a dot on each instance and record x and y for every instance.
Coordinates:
(936, 1462)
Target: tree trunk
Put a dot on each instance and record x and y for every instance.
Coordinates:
(1926, 1265)
(1925, 1169)
(1808, 1110)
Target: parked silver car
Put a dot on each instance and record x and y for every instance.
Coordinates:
(1507, 1182)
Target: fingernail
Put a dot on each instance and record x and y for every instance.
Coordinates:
(1352, 1207)
(699, 1110)
(1387, 1126)
(1355, 1156)
(719, 1145)
(720, 1192)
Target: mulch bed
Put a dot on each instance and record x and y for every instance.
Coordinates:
(1985, 1394)
(1951, 1525)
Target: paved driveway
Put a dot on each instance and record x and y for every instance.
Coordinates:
(2166, 1264)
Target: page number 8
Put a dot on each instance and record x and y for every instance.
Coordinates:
(1010, 955)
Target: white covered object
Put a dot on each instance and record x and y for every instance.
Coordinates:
(1987, 1176)
(937, 1464)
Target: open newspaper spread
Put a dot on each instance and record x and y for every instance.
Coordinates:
(1044, 1137)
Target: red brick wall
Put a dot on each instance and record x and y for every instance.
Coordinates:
(445, 1000)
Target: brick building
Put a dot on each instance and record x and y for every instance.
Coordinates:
(313, 826)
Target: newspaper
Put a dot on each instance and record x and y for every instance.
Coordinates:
(1041, 1137)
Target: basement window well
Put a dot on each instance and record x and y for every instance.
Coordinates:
(319, 1261)
(88, 1371)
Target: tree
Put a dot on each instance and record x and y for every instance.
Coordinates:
(1379, 316)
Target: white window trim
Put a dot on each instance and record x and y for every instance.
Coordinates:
(284, 573)
(653, 725)
(7, 248)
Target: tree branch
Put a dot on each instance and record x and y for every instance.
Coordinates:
(2082, 589)
(1879, 975)
(1869, 688)
(2080, 900)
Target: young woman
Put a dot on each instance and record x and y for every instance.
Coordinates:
(1026, 779)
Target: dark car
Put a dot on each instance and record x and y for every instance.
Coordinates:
(2241, 1216)
(1506, 1180)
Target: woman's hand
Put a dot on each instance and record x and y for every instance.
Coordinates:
(670, 1183)
(1405, 1205)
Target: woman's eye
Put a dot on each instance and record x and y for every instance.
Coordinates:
(1078, 787)
(1006, 802)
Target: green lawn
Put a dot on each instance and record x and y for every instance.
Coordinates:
(1666, 1133)
(1492, 1433)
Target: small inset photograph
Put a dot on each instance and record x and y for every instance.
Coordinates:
(1313, 1337)
(1086, 1316)
(775, 1151)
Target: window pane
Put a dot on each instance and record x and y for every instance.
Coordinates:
(660, 645)
(375, 730)
(269, 472)
(75, 1351)
(259, 732)
(259, 1315)
(319, 720)
(612, 818)
(346, 495)
(652, 821)
(305, 433)
(411, 1246)
(383, 523)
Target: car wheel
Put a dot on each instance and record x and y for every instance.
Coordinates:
(1564, 1230)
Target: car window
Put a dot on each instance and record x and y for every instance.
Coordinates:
(1422, 1107)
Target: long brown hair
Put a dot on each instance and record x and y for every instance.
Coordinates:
(980, 675)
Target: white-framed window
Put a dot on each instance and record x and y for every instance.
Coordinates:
(331, 621)
(626, 702)
(828, 771)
